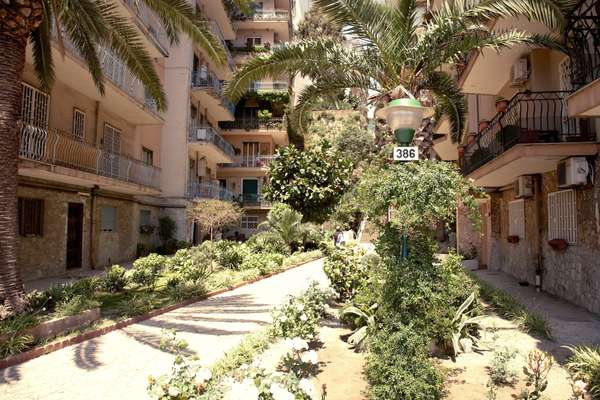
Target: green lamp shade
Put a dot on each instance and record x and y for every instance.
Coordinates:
(404, 136)
(404, 116)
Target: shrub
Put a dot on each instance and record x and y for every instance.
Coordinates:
(266, 242)
(312, 236)
(346, 271)
(264, 262)
(398, 368)
(230, 254)
(166, 228)
(199, 265)
(584, 364)
(76, 305)
(299, 316)
(146, 270)
(115, 279)
(500, 370)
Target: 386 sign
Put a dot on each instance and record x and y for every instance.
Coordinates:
(410, 153)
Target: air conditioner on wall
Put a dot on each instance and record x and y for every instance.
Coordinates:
(201, 133)
(524, 186)
(519, 72)
(572, 171)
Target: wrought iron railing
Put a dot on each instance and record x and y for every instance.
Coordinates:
(150, 21)
(582, 36)
(115, 71)
(209, 191)
(272, 86)
(274, 124)
(219, 34)
(249, 162)
(531, 117)
(252, 200)
(61, 149)
(264, 48)
(206, 80)
(266, 15)
(206, 134)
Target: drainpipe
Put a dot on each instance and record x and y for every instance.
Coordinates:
(97, 122)
(93, 193)
(539, 268)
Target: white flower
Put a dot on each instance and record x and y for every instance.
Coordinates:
(280, 393)
(308, 388)
(300, 307)
(245, 390)
(303, 318)
(173, 391)
(203, 375)
(299, 344)
(310, 357)
(283, 318)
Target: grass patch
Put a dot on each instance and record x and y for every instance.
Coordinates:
(509, 307)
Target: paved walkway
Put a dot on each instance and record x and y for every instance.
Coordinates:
(117, 365)
(571, 325)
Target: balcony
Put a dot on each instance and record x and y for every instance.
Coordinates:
(533, 134)
(249, 162)
(208, 89)
(266, 15)
(219, 35)
(269, 87)
(125, 94)
(208, 191)
(206, 140)
(150, 25)
(276, 20)
(248, 124)
(253, 200)
(65, 156)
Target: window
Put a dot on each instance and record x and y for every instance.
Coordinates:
(562, 216)
(147, 156)
(35, 106)
(108, 217)
(516, 218)
(145, 217)
(112, 139)
(78, 124)
(249, 222)
(253, 41)
(31, 217)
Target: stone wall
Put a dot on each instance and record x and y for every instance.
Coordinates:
(120, 245)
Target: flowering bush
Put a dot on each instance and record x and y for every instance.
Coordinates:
(347, 271)
(230, 254)
(299, 316)
(146, 270)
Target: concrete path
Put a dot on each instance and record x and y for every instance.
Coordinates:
(571, 325)
(117, 365)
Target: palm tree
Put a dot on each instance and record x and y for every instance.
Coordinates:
(285, 223)
(87, 24)
(396, 53)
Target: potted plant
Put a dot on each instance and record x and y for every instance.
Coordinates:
(264, 115)
(513, 239)
(558, 244)
(501, 104)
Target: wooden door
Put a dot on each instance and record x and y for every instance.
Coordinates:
(75, 235)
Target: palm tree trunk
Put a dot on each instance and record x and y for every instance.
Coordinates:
(424, 139)
(12, 62)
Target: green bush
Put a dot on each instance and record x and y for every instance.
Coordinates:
(584, 364)
(264, 262)
(230, 254)
(146, 270)
(346, 271)
(299, 315)
(398, 366)
(76, 305)
(267, 242)
(312, 236)
(115, 279)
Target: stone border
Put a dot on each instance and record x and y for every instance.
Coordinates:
(61, 344)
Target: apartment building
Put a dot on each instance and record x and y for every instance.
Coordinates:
(85, 159)
(213, 148)
(533, 145)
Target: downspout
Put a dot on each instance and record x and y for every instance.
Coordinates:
(539, 268)
(97, 120)
(93, 193)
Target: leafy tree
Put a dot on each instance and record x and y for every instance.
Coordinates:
(310, 181)
(213, 215)
(316, 25)
(88, 25)
(400, 54)
(285, 223)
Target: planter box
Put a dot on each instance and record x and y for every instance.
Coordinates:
(558, 244)
(57, 326)
(472, 264)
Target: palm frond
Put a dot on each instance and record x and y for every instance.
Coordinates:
(180, 16)
(126, 43)
(42, 50)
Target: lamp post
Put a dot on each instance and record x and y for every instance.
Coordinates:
(404, 117)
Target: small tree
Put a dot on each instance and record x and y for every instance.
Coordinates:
(213, 215)
(286, 223)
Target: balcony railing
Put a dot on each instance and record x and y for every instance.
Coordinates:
(209, 191)
(248, 124)
(270, 86)
(206, 134)
(54, 148)
(206, 80)
(219, 34)
(115, 71)
(266, 15)
(151, 23)
(252, 200)
(583, 38)
(531, 117)
(249, 162)
(264, 48)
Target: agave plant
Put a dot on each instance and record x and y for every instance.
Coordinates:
(395, 52)
(462, 326)
(364, 320)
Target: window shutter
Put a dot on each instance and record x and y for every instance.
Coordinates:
(35, 106)
(78, 125)
(516, 218)
(562, 216)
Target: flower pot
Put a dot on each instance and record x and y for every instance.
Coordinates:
(513, 239)
(483, 124)
(558, 244)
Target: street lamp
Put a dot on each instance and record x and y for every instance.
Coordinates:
(404, 117)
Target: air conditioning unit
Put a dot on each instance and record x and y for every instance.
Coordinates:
(524, 186)
(572, 171)
(519, 73)
(201, 133)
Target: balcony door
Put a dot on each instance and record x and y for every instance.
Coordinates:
(75, 235)
(35, 107)
(250, 152)
(111, 144)
(250, 190)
